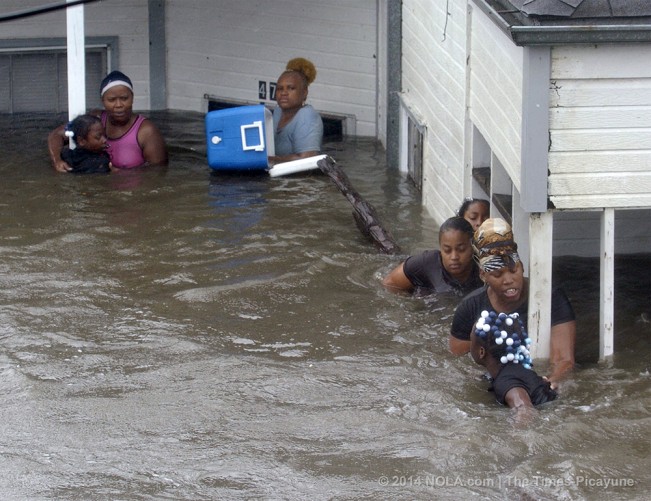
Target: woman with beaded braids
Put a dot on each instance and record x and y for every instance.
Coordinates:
(500, 343)
(506, 290)
(298, 128)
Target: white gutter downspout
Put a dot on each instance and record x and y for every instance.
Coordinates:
(533, 193)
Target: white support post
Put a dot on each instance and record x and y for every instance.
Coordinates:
(607, 284)
(541, 225)
(76, 61)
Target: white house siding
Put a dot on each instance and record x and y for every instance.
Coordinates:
(434, 88)
(600, 150)
(600, 127)
(495, 99)
(223, 48)
(446, 68)
(128, 21)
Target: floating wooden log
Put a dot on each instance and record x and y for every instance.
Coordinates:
(364, 213)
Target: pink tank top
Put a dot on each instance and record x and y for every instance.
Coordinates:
(125, 151)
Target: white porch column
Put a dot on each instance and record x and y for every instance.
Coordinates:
(607, 288)
(76, 60)
(541, 225)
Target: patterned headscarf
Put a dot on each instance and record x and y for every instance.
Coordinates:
(493, 245)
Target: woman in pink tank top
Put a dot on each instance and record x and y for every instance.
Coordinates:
(125, 150)
(132, 139)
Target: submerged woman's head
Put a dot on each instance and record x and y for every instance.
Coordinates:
(304, 67)
(475, 211)
(116, 91)
(499, 263)
(114, 79)
(291, 88)
(494, 246)
(455, 245)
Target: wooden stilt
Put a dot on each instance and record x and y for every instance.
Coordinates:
(607, 287)
(540, 282)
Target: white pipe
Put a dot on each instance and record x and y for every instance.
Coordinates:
(76, 60)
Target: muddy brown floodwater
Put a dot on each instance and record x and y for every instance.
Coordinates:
(175, 334)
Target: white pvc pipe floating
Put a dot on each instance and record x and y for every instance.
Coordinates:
(300, 165)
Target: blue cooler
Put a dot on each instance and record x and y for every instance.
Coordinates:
(240, 138)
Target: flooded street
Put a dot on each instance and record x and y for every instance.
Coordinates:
(177, 334)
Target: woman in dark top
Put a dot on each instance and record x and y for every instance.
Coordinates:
(506, 290)
(450, 269)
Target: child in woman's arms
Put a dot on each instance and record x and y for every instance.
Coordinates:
(500, 343)
(90, 155)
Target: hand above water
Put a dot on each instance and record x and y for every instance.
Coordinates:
(61, 166)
